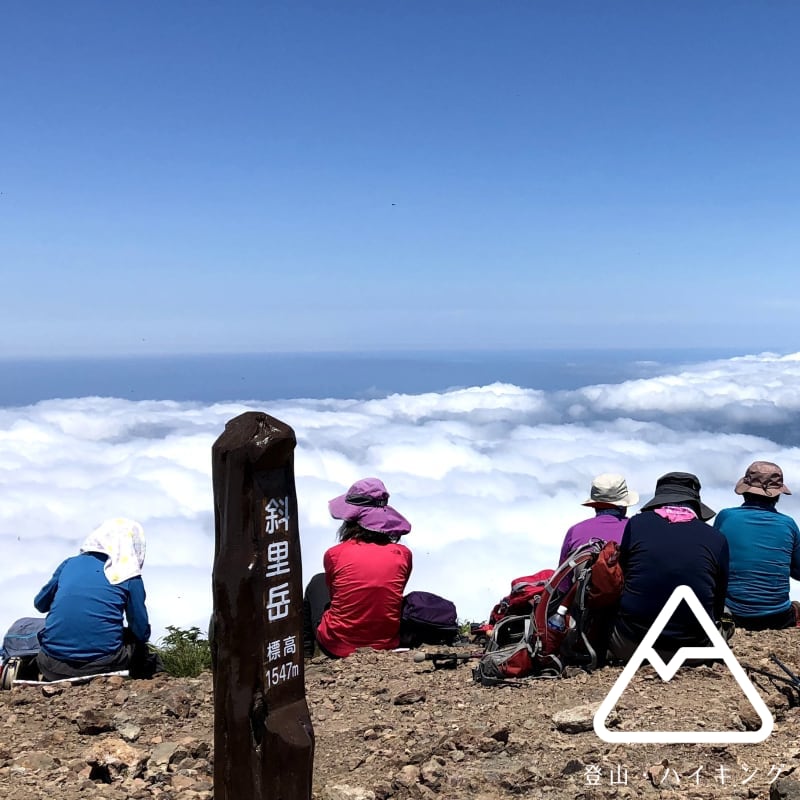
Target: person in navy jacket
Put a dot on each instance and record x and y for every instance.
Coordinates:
(670, 544)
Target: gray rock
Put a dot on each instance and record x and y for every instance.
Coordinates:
(182, 783)
(432, 772)
(178, 703)
(341, 791)
(407, 777)
(163, 753)
(128, 731)
(785, 789)
(116, 755)
(409, 697)
(487, 745)
(499, 734)
(424, 792)
(578, 718)
(749, 717)
(382, 790)
(35, 761)
(92, 722)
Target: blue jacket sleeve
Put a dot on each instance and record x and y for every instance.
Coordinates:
(136, 612)
(44, 599)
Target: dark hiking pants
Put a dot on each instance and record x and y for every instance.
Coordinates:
(132, 656)
(315, 600)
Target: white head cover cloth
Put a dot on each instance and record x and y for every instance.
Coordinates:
(122, 540)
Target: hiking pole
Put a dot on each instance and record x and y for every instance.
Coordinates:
(795, 678)
(789, 687)
(445, 660)
(771, 675)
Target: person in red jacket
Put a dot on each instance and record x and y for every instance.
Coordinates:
(357, 601)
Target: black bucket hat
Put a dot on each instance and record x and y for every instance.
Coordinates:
(679, 488)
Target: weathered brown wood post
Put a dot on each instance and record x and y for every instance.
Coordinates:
(263, 737)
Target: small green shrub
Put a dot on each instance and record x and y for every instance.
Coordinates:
(185, 653)
(465, 628)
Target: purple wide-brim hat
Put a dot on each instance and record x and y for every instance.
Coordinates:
(365, 502)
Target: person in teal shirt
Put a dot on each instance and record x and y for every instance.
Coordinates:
(764, 551)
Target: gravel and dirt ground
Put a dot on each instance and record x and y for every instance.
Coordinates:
(387, 726)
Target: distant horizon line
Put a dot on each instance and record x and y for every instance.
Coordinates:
(419, 352)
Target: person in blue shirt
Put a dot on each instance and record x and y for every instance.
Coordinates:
(86, 600)
(764, 551)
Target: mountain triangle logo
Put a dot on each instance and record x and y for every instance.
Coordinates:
(646, 652)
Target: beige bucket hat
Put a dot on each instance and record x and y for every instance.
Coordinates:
(610, 488)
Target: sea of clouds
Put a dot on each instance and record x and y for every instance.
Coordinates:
(490, 477)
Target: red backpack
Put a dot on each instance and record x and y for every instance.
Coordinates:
(605, 587)
(525, 645)
(522, 597)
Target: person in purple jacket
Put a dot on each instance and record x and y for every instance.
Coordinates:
(610, 498)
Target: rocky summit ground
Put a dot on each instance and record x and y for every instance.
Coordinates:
(387, 726)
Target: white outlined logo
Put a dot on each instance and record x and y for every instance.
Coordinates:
(646, 652)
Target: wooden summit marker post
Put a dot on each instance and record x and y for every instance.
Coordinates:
(263, 737)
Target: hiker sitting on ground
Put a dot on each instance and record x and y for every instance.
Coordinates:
(666, 545)
(85, 601)
(765, 551)
(610, 499)
(357, 601)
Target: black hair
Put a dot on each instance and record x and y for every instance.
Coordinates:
(606, 509)
(753, 499)
(352, 530)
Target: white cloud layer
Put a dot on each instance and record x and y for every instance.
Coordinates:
(490, 477)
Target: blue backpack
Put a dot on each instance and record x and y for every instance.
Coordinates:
(19, 650)
(22, 638)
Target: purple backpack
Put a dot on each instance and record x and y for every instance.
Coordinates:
(427, 618)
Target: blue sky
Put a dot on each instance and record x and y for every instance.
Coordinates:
(208, 177)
